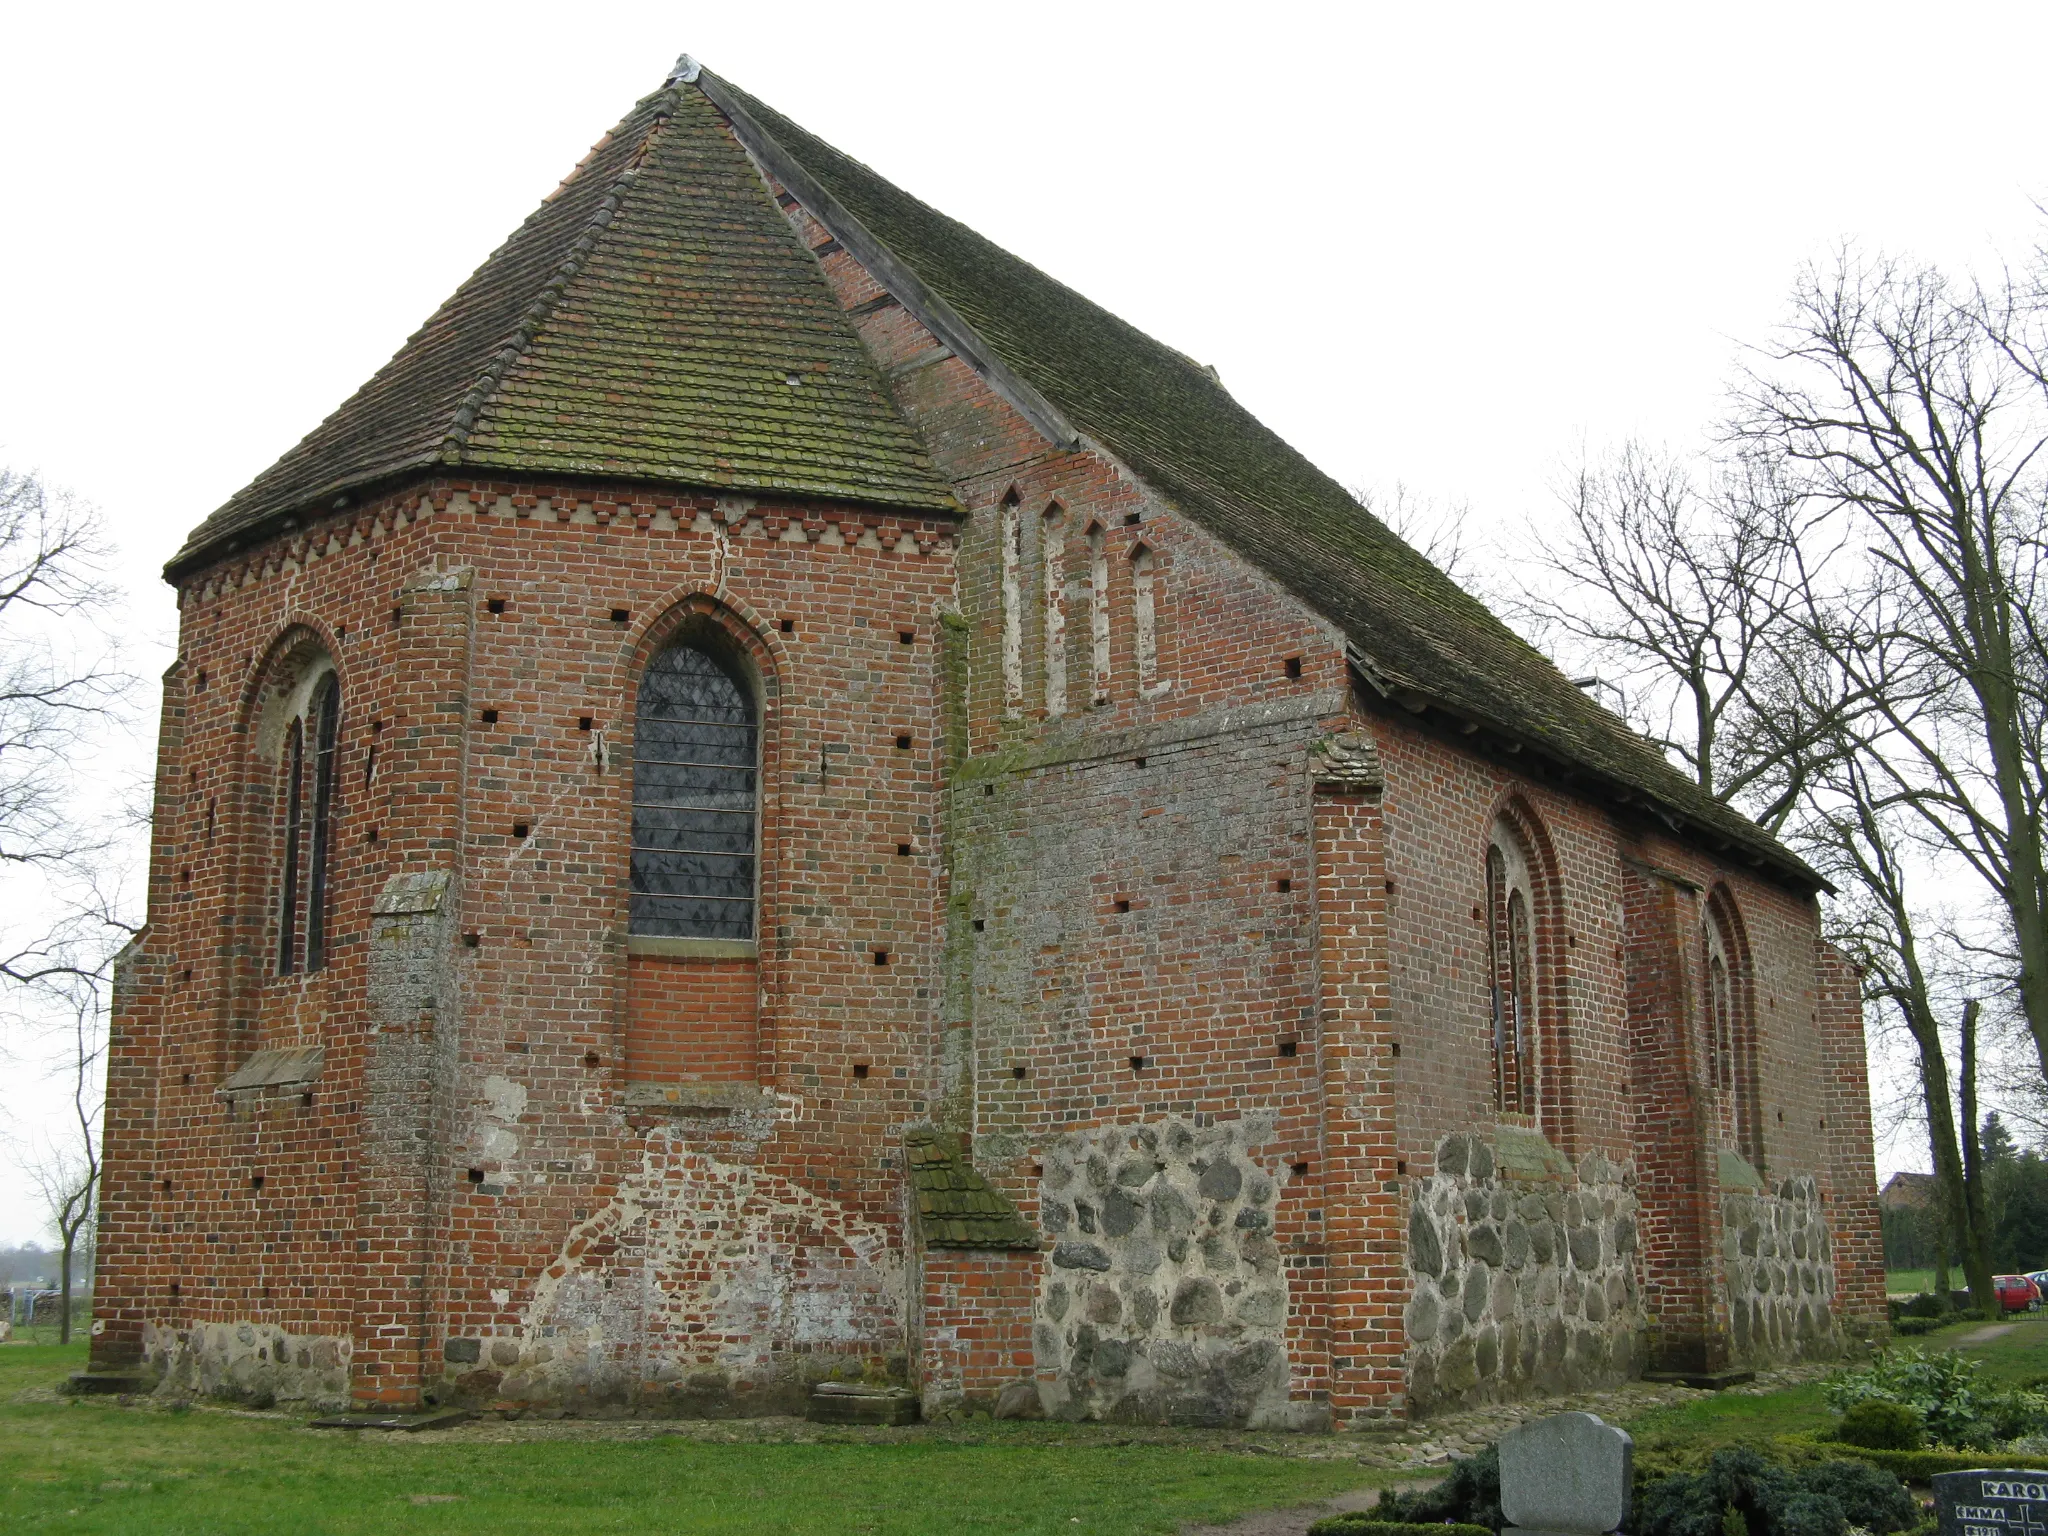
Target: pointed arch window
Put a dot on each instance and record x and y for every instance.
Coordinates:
(1053, 561)
(1012, 533)
(1098, 616)
(1730, 1037)
(696, 794)
(1511, 974)
(306, 793)
(1145, 615)
(326, 715)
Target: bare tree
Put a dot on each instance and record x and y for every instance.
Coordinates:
(60, 686)
(1436, 530)
(1912, 416)
(1669, 584)
(64, 1166)
(1861, 836)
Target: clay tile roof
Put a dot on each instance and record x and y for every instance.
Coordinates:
(642, 324)
(1073, 367)
(955, 1206)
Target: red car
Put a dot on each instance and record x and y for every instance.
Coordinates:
(2016, 1293)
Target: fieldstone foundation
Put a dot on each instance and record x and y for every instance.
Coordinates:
(1781, 1273)
(1163, 1299)
(254, 1363)
(1523, 1271)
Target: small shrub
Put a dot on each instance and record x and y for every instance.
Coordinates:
(1882, 1426)
(1469, 1496)
(1943, 1388)
(1926, 1304)
(1916, 1327)
(1741, 1490)
(1361, 1523)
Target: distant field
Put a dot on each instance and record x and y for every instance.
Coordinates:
(1909, 1282)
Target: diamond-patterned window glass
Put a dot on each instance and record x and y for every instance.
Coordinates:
(696, 799)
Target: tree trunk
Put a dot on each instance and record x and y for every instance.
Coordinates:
(1948, 1159)
(1977, 1257)
(64, 1298)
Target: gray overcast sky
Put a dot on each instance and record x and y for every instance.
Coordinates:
(1434, 244)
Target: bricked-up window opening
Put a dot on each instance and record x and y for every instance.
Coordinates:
(327, 714)
(696, 797)
(1145, 613)
(1053, 579)
(1511, 968)
(294, 834)
(1011, 536)
(1098, 615)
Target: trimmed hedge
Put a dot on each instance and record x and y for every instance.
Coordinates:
(1919, 1466)
(1915, 1327)
(1361, 1523)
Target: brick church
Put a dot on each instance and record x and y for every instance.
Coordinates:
(781, 799)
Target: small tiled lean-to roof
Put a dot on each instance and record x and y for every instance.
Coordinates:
(955, 1206)
(1078, 371)
(644, 323)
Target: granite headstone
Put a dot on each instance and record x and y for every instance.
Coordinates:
(1567, 1474)
(1990, 1503)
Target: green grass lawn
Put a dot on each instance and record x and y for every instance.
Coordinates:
(2018, 1354)
(1735, 1418)
(2011, 1358)
(1909, 1282)
(94, 1466)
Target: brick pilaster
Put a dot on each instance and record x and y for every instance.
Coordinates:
(1856, 1238)
(1362, 1191)
(409, 1066)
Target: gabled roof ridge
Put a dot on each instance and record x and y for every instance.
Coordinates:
(874, 254)
(965, 337)
(544, 302)
(1423, 640)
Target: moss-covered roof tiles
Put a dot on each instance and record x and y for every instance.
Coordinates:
(645, 323)
(955, 1206)
(1418, 636)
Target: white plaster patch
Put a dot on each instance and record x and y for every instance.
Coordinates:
(698, 1263)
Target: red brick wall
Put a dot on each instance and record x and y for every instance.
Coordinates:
(975, 1323)
(1360, 1181)
(690, 1020)
(528, 1034)
(1858, 1239)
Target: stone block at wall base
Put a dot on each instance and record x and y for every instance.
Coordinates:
(1020, 1400)
(849, 1403)
(1295, 1418)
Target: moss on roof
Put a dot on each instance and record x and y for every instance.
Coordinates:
(1418, 635)
(643, 324)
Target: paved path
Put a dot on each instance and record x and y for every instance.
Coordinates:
(1986, 1335)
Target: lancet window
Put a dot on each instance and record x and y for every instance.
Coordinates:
(1145, 613)
(1098, 615)
(696, 796)
(1053, 565)
(1728, 1053)
(310, 715)
(1511, 968)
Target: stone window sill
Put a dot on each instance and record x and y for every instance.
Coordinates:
(690, 949)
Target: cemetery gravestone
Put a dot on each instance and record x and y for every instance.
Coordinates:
(1992, 1503)
(1567, 1475)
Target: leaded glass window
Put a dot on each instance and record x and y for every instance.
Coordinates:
(327, 725)
(696, 799)
(306, 768)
